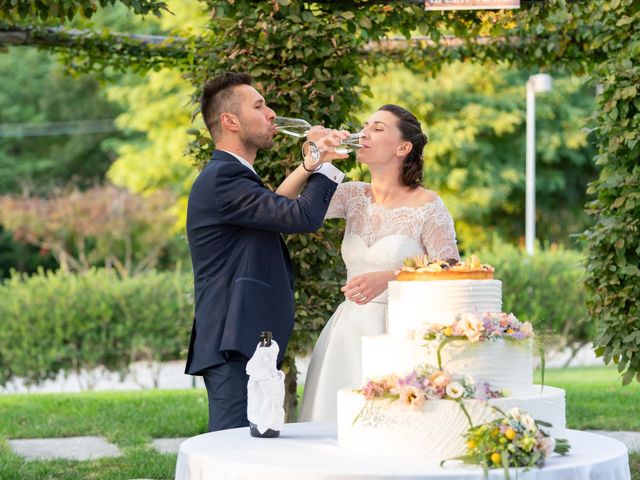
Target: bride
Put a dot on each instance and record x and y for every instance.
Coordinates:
(387, 220)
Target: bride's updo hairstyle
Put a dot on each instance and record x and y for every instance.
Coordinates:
(411, 131)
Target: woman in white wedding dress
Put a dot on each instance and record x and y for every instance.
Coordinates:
(386, 221)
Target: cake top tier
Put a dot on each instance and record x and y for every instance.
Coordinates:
(421, 268)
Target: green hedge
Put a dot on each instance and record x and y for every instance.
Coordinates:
(52, 322)
(546, 289)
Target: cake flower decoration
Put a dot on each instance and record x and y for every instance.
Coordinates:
(513, 439)
(474, 327)
(423, 384)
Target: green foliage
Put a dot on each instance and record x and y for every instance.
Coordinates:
(56, 322)
(158, 108)
(545, 289)
(475, 120)
(613, 273)
(35, 90)
(100, 226)
(21, 257)
(60, 9)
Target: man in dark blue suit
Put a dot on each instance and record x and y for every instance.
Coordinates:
(242, 270)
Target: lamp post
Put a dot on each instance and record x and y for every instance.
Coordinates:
(536, 84)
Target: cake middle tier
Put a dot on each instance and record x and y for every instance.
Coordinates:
(503, 364)
(414, 303)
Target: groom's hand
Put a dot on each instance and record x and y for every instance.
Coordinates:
(326, 139)
(361, 289)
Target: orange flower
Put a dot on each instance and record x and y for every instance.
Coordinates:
(440, 379)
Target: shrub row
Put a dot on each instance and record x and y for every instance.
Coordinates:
(53, 322)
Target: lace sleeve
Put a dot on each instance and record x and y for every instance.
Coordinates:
(439, 235)
(340, 200)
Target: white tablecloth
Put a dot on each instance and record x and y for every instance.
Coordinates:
(311, 451)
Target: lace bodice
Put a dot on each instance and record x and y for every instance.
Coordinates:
(386, 235)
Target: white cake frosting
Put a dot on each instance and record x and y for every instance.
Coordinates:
(436, 429)
(414, 303)
(504, 364)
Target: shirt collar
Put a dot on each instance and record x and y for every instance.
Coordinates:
(242, 161)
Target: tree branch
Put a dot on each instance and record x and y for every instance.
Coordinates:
(59, 37)
(91, 50)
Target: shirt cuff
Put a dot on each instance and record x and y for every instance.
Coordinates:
(331, 172)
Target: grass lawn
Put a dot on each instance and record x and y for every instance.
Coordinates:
(595, 400)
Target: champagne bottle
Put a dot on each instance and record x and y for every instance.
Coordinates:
(265, 341)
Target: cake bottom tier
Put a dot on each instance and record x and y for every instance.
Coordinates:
(436, 429)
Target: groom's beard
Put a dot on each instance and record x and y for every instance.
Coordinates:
(262, 141)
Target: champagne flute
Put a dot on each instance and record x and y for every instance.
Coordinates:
(346, 146)
(296, 127)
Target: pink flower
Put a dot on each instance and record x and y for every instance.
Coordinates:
(440, 379)
(471, 327)
(411, 396)
(547, 445)
(527, 329)
(432, 393)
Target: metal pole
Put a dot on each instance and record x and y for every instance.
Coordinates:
(530, 211)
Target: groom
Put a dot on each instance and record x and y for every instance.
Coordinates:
(242, 270)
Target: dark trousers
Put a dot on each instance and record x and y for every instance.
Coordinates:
(227, 392)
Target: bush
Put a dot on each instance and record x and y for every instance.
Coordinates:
(545, 289)
(54, 322)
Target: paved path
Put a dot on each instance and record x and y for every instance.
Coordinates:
(92, 448)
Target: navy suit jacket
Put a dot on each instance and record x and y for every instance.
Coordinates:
(243, 274)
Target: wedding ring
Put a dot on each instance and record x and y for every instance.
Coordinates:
(362, 296)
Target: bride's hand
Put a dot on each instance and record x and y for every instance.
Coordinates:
(364, 288)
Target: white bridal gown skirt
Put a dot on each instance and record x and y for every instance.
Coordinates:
(336, 359)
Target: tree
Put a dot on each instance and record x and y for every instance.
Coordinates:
(102, 225)
(475, 121)
(160, 109)
(35, 91)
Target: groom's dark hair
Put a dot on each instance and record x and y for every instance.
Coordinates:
(411, 131)
(217, 98)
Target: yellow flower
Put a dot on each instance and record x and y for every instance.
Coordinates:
(494, 432)
(471, 444)
(495, 458)
(510, 433)
(447, 331)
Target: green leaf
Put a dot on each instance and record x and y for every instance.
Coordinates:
(365, 23)
(628, 376)
(630, 270)
(625, 20)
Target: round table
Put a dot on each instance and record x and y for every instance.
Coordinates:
(310, 451)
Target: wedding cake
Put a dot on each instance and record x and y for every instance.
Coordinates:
(451, 358)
